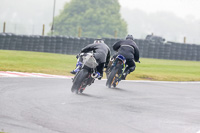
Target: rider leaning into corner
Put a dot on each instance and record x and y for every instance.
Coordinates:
(101, 54)
(129, 50)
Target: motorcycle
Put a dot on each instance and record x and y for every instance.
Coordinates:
(87, 72)
(116, 70)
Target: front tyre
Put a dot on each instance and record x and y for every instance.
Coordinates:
(112, 76)
(78, 81)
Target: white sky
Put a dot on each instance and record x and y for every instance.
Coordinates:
(21, 12)
(181, 8)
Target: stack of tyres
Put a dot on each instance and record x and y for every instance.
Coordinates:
(173, 51)
(114, 40)
(90, 40)
(59, 44)
(70, 45)
(194, 52)
(36, 43)
(198, 52)
(83, 43)
(146, 49)
(140, 44)
(53, 44)
(13, 42)
(31, 43)
(7, 41)
(151, 49)
(41, 43)
(87, 41)
(19, 42)
(25, 43)
(167, 50)
(76, 46)
(184, 51)
(108, 41)
(161, 51)
(64, 45)
(178, 51)
(157, 51)
(2, 40)
(137, 41)
(47, 43)
(189, 52)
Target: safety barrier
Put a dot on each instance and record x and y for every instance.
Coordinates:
(73, 45)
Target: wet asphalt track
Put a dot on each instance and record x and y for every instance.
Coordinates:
(44, 105)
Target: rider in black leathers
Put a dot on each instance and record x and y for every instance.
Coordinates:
(101, 54)
(129, 50)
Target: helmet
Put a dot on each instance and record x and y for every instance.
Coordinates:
(129, 37)
(98, 41)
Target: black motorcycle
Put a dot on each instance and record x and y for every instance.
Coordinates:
(116, 71)
(86, 74)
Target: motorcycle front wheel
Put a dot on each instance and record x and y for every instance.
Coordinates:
(114, 74)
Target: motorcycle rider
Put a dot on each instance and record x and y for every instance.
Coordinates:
(101, 54)
(130, 51)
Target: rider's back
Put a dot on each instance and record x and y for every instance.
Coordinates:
(127, 48)
(101, 50)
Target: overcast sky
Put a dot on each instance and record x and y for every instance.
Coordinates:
(181, 8)
(30, 15)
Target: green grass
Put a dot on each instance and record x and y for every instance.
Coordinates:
(23, 61)
(59, 64)
(167, 70)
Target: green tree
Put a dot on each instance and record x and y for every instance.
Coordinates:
(96, 18)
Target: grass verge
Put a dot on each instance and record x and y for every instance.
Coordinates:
(59, 64)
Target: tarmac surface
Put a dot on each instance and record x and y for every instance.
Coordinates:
(46, 105)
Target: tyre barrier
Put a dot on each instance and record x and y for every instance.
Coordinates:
(73, 45)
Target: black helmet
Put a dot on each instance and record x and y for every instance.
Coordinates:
(98, 41)
(129, 37)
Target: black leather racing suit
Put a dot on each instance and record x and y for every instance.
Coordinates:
(129, 50)
(101, 54)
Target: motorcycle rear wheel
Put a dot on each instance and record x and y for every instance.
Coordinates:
(79, 80)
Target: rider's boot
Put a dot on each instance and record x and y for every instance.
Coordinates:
(75, 70)
(101, 75)
(78, 66)
(123, 77)
(126, 72)
(97, 75)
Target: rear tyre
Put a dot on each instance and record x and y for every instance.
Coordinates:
(78, 81)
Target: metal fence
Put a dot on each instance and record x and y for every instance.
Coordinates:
(73, 45)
